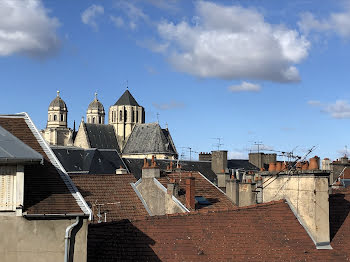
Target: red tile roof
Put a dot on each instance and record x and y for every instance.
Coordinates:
(265, 232)
(203, 188)
(114, 192)
(44, 190)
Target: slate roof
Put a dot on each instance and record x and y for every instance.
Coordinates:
(204, 167)
(114, 192)
(45, 187)
(97, 105)
(126, 99)
(240, 163)
(204, 188)
(13, 150)
(264, 232)
(91, 161)
(149, 139)
(101, 136)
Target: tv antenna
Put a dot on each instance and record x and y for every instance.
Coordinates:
(219, 144)
(191, 151)
(158, 117)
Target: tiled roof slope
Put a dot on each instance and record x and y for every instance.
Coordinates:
(114, 192)
(204, 167)
(44, 190)
(266, 232)
(204, 188)
(149, 139)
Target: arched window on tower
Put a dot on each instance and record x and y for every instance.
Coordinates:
(54, 117)
(93, 120)
(125, 115)
(132, 116)
(61, 117)
(137, 116)
(100, 119)
(120, 115)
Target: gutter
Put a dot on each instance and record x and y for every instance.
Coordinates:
(67, 239)
(52, 216)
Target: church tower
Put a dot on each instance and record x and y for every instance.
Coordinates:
(95, 113)
(124, 115)
(56, 131)
(57, 113)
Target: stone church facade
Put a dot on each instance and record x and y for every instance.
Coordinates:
(126, 129)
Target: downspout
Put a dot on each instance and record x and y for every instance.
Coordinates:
(67, 239)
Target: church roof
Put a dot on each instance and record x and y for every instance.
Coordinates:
(96, 105)
(149, 139)
(58, 102)
(101, 136)
(126, 99)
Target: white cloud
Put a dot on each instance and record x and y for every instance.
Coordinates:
(338, 23)
(339, 109)
(117, 21)
(245, 87)
(26, 28)
(168, 106)
(134, 14)
(90, 14)
(236, 155)
(232, 42)
(314, 103)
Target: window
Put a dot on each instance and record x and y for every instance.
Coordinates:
(7, 188)
(54, 117)
(132, 116)
(93, 120)
(62, 117)
(125, 115)
(100, 120)
(137, 116)
(120, 115)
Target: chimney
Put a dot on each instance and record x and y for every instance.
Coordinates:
(278, 166)
(313, 163)
(150, 171)
(272, 167)
(190, 192)
(221, 178)
(307, 196)
(173, 188)
(121, 171)
(218, 161)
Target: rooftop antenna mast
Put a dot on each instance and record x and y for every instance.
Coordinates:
(258, 144)
(158, 117)
(219, 144)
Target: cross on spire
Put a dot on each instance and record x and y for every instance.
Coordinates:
(95, 95)
(58, 93)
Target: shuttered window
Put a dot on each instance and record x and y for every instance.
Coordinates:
(7, 188)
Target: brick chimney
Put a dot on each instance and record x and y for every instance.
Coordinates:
(190, 192)
(150, 171)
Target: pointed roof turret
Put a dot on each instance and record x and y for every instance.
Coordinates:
(96, 105)
(58, 103)
(126, 99)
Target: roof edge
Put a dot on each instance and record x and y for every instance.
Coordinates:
(57, 164)
(133, 185)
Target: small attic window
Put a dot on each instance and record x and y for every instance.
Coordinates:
(202, 201)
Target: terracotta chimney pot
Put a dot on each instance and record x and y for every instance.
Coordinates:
(313, 164)
(272, 167)
(278, 166)
(305, 166)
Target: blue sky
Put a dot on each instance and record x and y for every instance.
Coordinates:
(243, 71)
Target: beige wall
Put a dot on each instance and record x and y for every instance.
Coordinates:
(308, 195)
(158, 201)
(38, 240)
(81, 139)
(58, 136)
